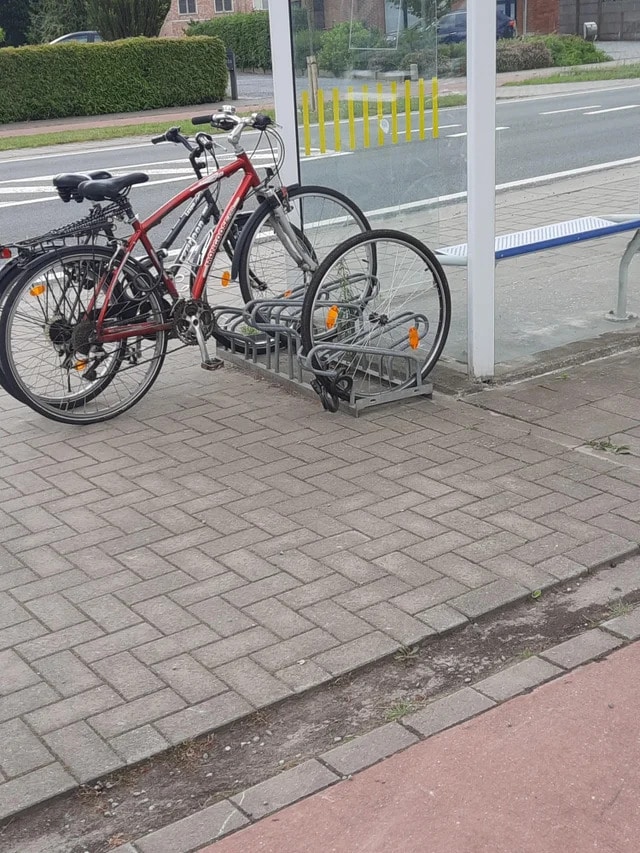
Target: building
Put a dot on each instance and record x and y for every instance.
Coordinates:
(182, 12)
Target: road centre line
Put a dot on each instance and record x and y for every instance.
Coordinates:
(464, 133)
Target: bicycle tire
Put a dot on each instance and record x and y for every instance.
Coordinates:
(323, 215)
(404, 305)
(45, 372)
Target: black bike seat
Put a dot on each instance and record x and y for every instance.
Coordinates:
(67, 184)
(111, 188)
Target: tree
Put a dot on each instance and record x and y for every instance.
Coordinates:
(117, 19)
(14, 20)
(53, 18)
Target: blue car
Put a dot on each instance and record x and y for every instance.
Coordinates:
(452, 28)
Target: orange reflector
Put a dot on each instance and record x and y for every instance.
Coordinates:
(37, 290)
(332, 316)
(414, 338)
(80, 365)
(226, 278)
(287, 293)
(5, 253)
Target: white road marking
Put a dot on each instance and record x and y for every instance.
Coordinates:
(613, 110)
(456, 135)
(570, 110)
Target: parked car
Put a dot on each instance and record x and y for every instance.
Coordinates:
(452, 27)
(87, 37)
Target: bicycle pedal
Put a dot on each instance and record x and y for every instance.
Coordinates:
(212, 364)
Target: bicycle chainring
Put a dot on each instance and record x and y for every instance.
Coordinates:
(189, 315)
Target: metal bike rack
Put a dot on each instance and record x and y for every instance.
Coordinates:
(263, 337)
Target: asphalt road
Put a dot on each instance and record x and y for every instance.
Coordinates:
(535, 137)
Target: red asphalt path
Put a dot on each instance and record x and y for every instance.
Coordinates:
(553, 771)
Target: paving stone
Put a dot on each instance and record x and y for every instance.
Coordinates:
(533, 577)
(20, 750)
(55, 612)
(221, 616)
(139, 744)
(84, 754)
(580, 649)
(127, 675)
(164, 614)
(457, 567)
(427, 596)
(356, 653)
(23, 701)
(562, 567)
(337, 621)
(250, 593)
(595, 553)
(396, 623)
(627, 626)
(517, 678)
(368, 749)
(119, 641)
(175, 644)
(166, 582)
(277, 617)
(284, 789)
(488, 598)
(58, 641)
(442, 618)
(67, 711)
(19, 794)
(303, 675)
(252, 682)
(448, 711)
(204, 717)
(215, 654)
(189, 678)
(303, 646)
(10, 611)
(46, 586)
(203, 827)
(16, 674)
(66, 673)
(136, 713)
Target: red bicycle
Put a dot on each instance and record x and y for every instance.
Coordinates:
(84, 333)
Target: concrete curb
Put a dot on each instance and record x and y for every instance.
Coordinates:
(209, 825)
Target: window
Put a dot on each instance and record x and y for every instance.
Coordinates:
(224, 6)
(261, 5)
(187, 7)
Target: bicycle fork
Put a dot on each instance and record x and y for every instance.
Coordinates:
(285, 232)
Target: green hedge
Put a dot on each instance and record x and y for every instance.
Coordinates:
(55, 81)
(246, 34)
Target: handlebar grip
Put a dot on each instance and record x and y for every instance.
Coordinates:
(261, 121)
(201, 119)
(156, 139)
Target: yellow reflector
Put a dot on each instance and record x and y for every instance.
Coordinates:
(37, 290)
(80, 365)
(226, 278)
(414, 338)
(332, 316)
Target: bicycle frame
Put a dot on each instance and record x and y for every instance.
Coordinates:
(250, 180)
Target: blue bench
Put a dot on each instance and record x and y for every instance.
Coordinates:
(561, 234)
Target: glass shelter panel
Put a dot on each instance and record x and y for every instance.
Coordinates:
(369, 109)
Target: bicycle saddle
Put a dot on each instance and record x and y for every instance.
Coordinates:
(111, 189)
(67, 184)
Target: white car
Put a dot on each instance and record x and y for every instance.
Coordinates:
(87, 37)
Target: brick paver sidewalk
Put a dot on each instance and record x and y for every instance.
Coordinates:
(224, 544)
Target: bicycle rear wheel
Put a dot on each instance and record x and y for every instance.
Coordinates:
(372, 331)
(321, 215)
(50, 355)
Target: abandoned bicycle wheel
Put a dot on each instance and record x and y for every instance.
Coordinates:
(321, 218)
(368, 332)
(50, 353)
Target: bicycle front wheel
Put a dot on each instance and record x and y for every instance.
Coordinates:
(375, 330)
(321, 218)
(50, 353)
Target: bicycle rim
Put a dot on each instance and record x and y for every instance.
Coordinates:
(377, 329)
(48, 352)
(324, 218)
